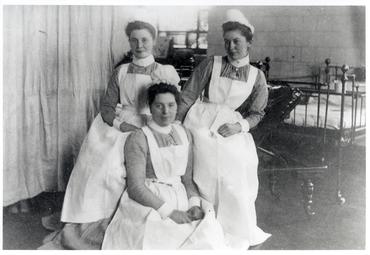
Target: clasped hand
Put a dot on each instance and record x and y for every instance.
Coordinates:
(229, 129)
(181, 217)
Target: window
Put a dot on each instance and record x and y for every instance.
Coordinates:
(190, 32)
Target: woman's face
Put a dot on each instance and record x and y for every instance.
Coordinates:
(164, 109)
(141, 43)
(236, 45)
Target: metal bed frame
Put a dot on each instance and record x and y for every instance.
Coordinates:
(341, 137)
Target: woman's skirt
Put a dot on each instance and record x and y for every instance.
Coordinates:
(77, 236)
(137, 227)
(225, 171)
(98, 177)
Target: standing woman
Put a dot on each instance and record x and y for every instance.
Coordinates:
(98, 178)
(232, 97)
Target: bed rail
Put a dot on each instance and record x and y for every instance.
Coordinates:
(336, 84)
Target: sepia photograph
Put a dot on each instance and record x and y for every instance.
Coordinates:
(184, 127)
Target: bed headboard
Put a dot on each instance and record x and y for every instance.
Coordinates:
(264, 65)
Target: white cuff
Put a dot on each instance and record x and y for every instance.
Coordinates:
(117, 123)
(194, 201)
(165, 210)
(245, 125)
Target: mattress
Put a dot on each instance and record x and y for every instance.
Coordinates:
(306, 115)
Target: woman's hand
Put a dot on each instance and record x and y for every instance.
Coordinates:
(180, 217)
(195, 213)
(125, 127)
(229, 129)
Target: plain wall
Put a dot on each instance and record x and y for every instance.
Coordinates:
(298, 38)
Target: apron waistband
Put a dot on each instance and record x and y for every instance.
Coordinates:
(168, 181)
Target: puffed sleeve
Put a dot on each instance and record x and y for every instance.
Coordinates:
(194, 87)
(253, 108)
(136, 157)
(110, 99)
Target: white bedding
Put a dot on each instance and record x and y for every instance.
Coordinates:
(297, 116)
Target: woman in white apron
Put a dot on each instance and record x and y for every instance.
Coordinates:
(98, 178)
(226, 97)
(161, 207)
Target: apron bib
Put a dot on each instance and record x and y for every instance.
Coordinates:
(138, 227)
(225, 168)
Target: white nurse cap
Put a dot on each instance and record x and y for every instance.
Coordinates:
(165, 74)
(234, 15)
(144, 15)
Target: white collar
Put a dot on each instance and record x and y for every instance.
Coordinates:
(160, 129)
(240, 62)
(143, 61)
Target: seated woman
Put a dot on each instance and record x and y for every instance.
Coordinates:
(161, 207)
(98, 177)
(233, 97)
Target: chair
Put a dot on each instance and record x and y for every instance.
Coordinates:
(282, 100)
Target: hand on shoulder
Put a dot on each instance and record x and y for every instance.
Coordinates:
(126, 127)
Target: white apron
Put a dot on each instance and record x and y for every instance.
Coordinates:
(135, 226)
(225, 169)
(97, 180)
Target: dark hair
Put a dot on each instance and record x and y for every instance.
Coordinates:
(162, 88)
(245, 31)
(135, 25)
